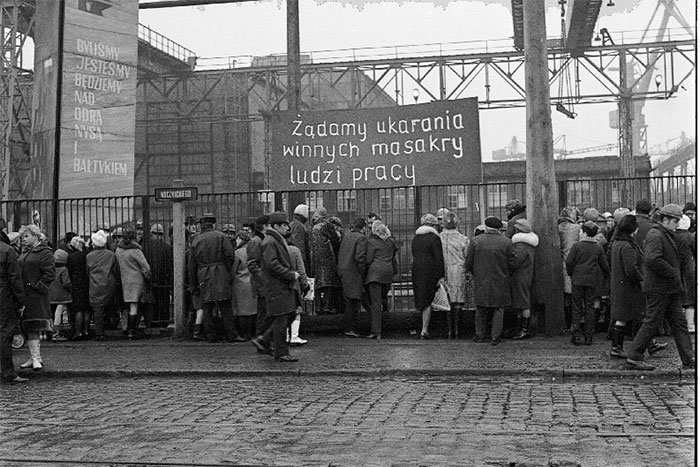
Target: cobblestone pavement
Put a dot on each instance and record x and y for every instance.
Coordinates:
(346, 421)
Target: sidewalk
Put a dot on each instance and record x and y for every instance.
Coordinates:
(553, 358)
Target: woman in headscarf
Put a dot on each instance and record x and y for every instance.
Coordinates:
(134, 270)
(454, 251)
(38, 271)
(381, 251)
(427, 269)
(103, 276)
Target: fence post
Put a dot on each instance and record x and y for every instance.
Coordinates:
(418, 205)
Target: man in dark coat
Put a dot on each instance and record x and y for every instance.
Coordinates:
(427, 269)
(488, 257)
(644, 222)
(159, 255)
(663, 287)
(299, 234)
(11, 296)
(254, 255)
(279, 279)
(515, 210)
(210, 278)
(351, 269)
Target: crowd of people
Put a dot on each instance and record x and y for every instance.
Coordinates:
(630, 273)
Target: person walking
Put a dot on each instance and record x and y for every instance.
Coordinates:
(522, 264)
(380, 259)
(11, 300)
(663, 287)
(427, 269)
(103, 278)
(263, 325)
(454, 251)
(352, 267)
(488, 259)
(134, 272)
(687, 250)
(280, 284)
(210, 273)
(38, 271)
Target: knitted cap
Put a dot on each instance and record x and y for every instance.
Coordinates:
(60, 256)
(493, 222)
(99, 238)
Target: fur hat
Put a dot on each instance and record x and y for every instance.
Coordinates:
(428, 219)
(590, 214)
(493, 222)
(684, 223)
(77, 243)
(523, 225)
(302, 210)
(619, 214)
(513, 204)
(99, 238)
(60, 256)
(278, 217)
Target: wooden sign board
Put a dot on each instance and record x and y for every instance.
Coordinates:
(188, 193)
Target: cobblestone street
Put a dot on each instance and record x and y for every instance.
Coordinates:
(346, 421)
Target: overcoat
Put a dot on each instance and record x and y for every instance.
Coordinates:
(662, 263)
(11, 288)
(299, 237)
(522, 263)
(569, 233)
(38, 271)
(60, 288)
(626, 298)
(254, 254)
(352, 263)
(685, 241)
(488, 260)
(80, 286)
(280, 286)
(243, 303)
(103, 276)
(211, 266)
(380, 257)
(428, 265)
(133, 269)
(323, 260)
(586, 262)
(644, 225)
(454, 252)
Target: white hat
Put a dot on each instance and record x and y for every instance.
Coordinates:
(684, 223)
(99, 238)
(302, 210)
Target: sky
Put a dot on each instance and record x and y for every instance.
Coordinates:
(259, 28)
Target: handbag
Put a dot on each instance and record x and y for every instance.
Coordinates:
(441, 300)
(309, 295)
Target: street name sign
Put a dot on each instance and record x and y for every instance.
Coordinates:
(188, 193)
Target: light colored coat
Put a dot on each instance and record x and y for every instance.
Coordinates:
(243, 303)
(454, 252)
(134, 271)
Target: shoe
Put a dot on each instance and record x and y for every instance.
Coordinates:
(14, 380)
(495, 341)
(523, 334)
(262, 348)
(374, 336)
(286, 358)
(235, 339)
(617, 352)
(297, 341)
(480, 339)
(351, 334)
(27, 364)
(425, 336)
(656, 347)
(639, 365)
(37, 364)
(691, 365)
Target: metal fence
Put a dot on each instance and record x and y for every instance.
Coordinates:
(400, 208)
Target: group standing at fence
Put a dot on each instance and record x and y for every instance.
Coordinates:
(630, 273)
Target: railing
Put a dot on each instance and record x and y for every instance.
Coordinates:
(400, 208)
(164, 44)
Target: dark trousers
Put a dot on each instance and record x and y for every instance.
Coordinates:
(99, 316)
(481, 319)
(582, 298)
(279, 334)
(352, 309)
(377, 296)
(261, 317)
(161, 306)
(218, 314)
(660, 306)
(7, 331)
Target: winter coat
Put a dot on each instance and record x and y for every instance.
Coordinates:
(103, 276)
(662, 262)
(522, 264)
(160, 258)
(38, 271)
(685, 241)
(299, 237)
(352, 264)
(60, 288)
(380, 259)
(211, 266)
(644, 225)
(280, 286)
(80, 290)
(488, 258)
(428, 265)
(454, 252)
(626, 298)
(298, 266)
(569, 233)
(133, 269)
(11, 287)
(586, 263)
(323, 262)
(254, 254)
(243, 304)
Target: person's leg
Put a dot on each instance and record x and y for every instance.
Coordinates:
(425, 317)
(294, 338)
(133, 320)
(199, 334)
(689, 311)
(35, 362)
(279, 336)
(7, 328)
(576, 311)
(260, 316)
(618, 340)
(653, 316)
(350, 316)
(679, 327)
(480, 320)
(497, 325)
(99, 321)
(589, 301)
(229, 321)
(375, 300)
(78, 322)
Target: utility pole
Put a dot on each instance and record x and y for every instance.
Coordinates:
(542, 202)
(293, 82)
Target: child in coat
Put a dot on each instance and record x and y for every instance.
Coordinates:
(60, 292)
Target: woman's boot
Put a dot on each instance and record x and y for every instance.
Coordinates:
(450, 329)
(294, 338)
(132, 324)
(618, 338)
(524, 329)
(690, 318)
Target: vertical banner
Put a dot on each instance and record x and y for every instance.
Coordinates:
(98, 98)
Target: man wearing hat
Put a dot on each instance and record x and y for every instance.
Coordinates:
(299, 234)
(280, 284)
(487, 259)
(514, 210)
(663, 288)
(210, 278)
